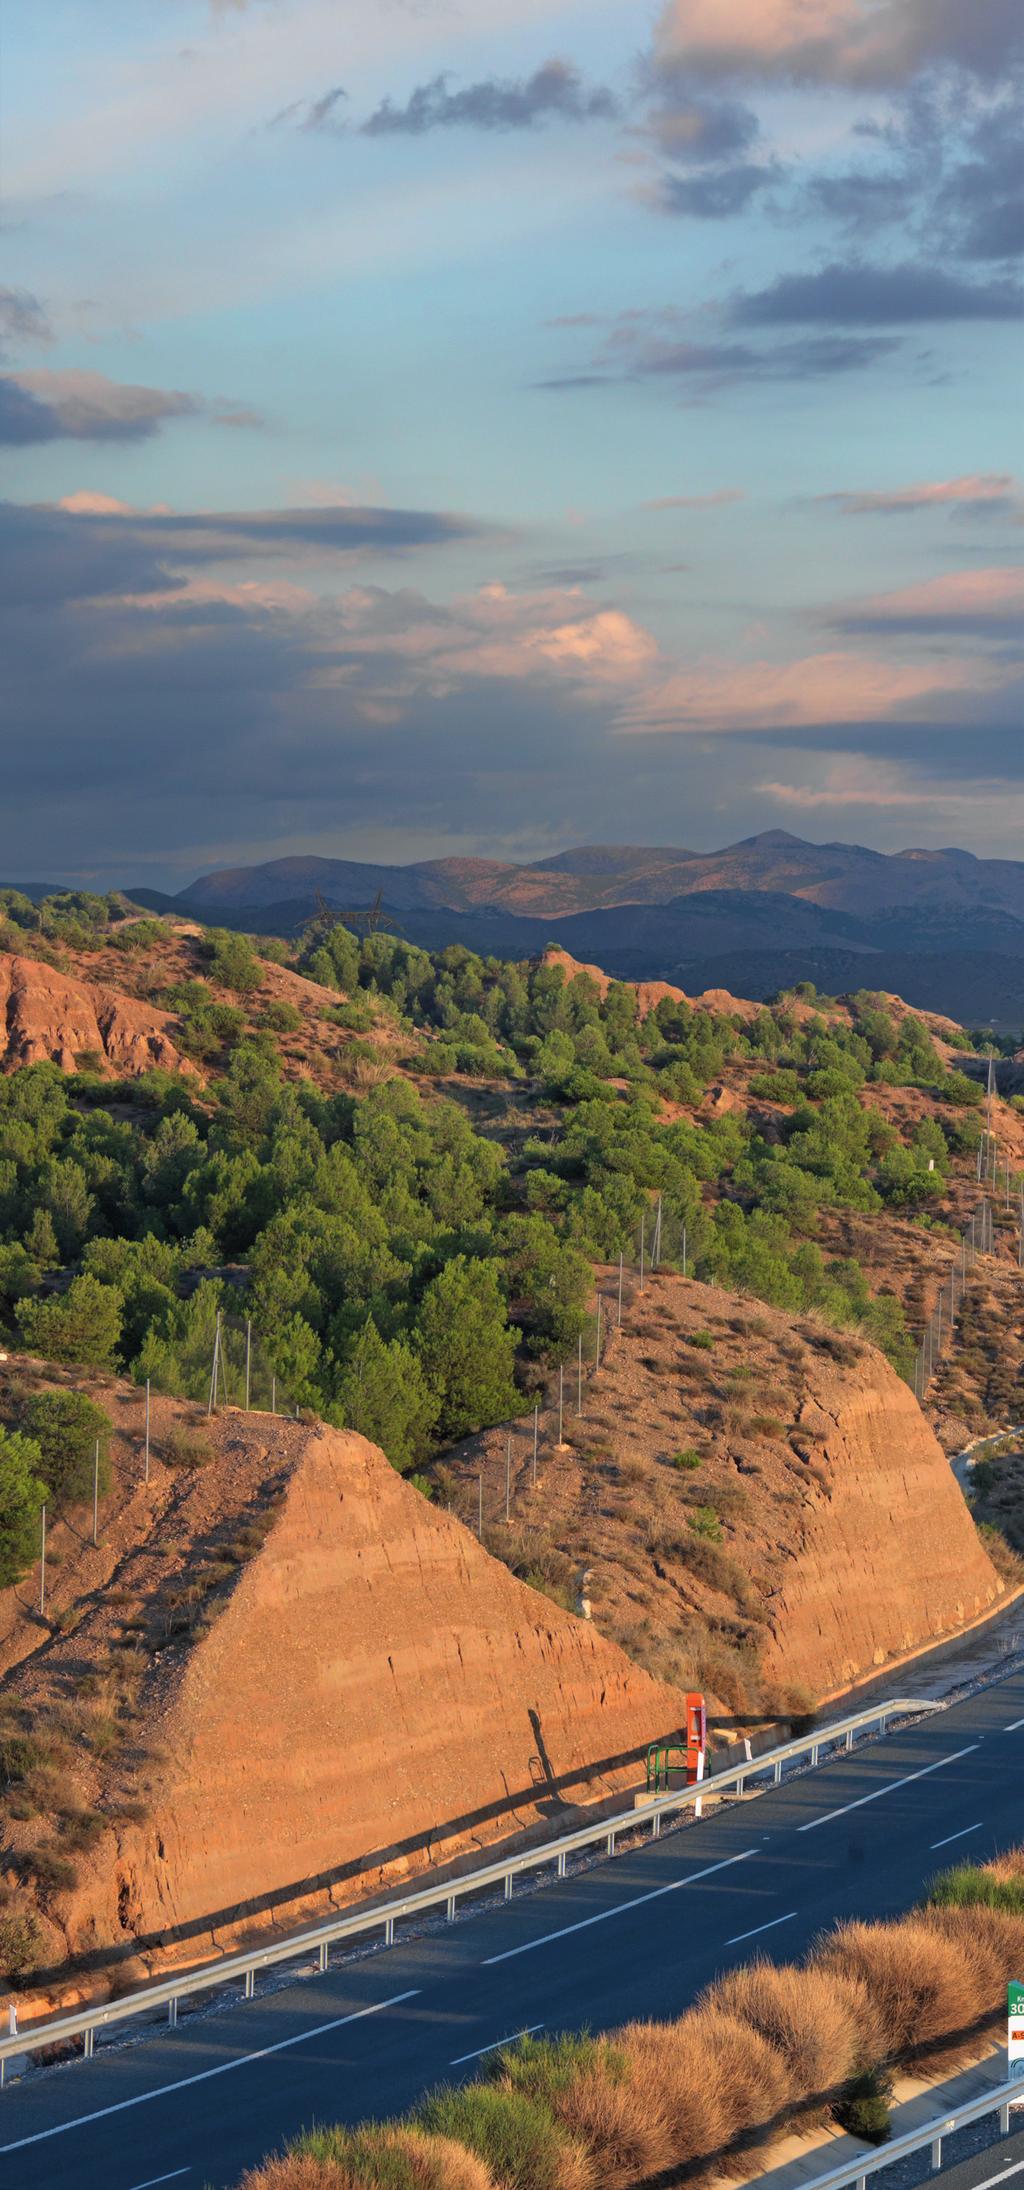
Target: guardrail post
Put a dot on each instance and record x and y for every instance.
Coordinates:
(815, 1746)
(1004, 2121)
(450, 1908)
(172, 2013)
(778, 1771)
(508, 1885)
(740, 1783)
(656, 1825)
(610, 1844)
(89, 2037)
(936, 2154)
(389, 1931)
(561, 1863)
(250, 1983)
(849, 1737)
(323, 1955)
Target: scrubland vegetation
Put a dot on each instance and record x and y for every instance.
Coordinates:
(764, 2049)
(411, 1260)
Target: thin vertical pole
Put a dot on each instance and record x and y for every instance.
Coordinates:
(536, 1439)
(216, 1359)
(620, 1261)
(248, 1358)
(96, 1493)
(597, 1342)
(147, 1430)
(579, 1376)
(42, 1561)
(508, 1474)
(561, 1388)
(642, 1225)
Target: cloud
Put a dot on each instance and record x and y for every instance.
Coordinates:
(643, 346)
(80, 406)
(974, 492)
(695, 129)
(494, 103)
(982, 604)
(718, 194)
(22, 318)
(718, 500)
(864, 43)
(859, 295)
(93, 546)
(831, 687)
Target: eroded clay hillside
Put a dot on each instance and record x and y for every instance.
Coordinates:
(757, 1501)
(281, 1676)
(49, 1016)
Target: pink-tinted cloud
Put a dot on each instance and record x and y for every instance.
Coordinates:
(982, 489)
(863, 42)
(833, 687)
(985, 603)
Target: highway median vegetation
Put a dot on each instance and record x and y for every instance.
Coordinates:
(764, 2050)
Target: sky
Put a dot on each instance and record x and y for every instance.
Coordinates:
(477, 427)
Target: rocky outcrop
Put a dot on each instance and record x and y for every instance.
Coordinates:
(50, 1016)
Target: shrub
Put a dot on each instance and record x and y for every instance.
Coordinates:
(705, 1522)
(232, 961)
(687, 1460)
(19, 1943)
(67, 1426)
(53, 1871)
(22, 1496)
(185, 1448)
(513, 2133)
(705, 1340)
(864, 2108)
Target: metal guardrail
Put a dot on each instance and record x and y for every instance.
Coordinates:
(230, 1968)
(857, 2172)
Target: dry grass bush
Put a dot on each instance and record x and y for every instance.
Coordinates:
(925, 1988)
(807, 2015)
(620, 2122)
(299, 2171)
(683, 2082)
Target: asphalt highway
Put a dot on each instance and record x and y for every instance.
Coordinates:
(637, 1935)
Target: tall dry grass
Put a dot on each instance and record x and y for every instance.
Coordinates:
(931, 1993)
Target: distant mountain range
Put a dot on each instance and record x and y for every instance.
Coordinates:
(942, 928)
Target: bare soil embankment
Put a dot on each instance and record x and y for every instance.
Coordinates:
(284, 1678)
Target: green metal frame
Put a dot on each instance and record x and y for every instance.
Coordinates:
(659, 1763)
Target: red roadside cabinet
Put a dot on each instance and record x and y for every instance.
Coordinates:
(696, 1739)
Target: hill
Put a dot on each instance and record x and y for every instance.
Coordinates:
(752, 1498)
(281, 1678)
(840, 877)
(942, 928)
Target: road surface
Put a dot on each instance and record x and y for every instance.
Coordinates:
(637, 1935)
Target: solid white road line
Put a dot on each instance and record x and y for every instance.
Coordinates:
(1013, 1726)
(950, 1837)
(183, 2083)
(758, 1928)
(152, 2180)
(619, 1910)
(495, 2045)
(826, 1819)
